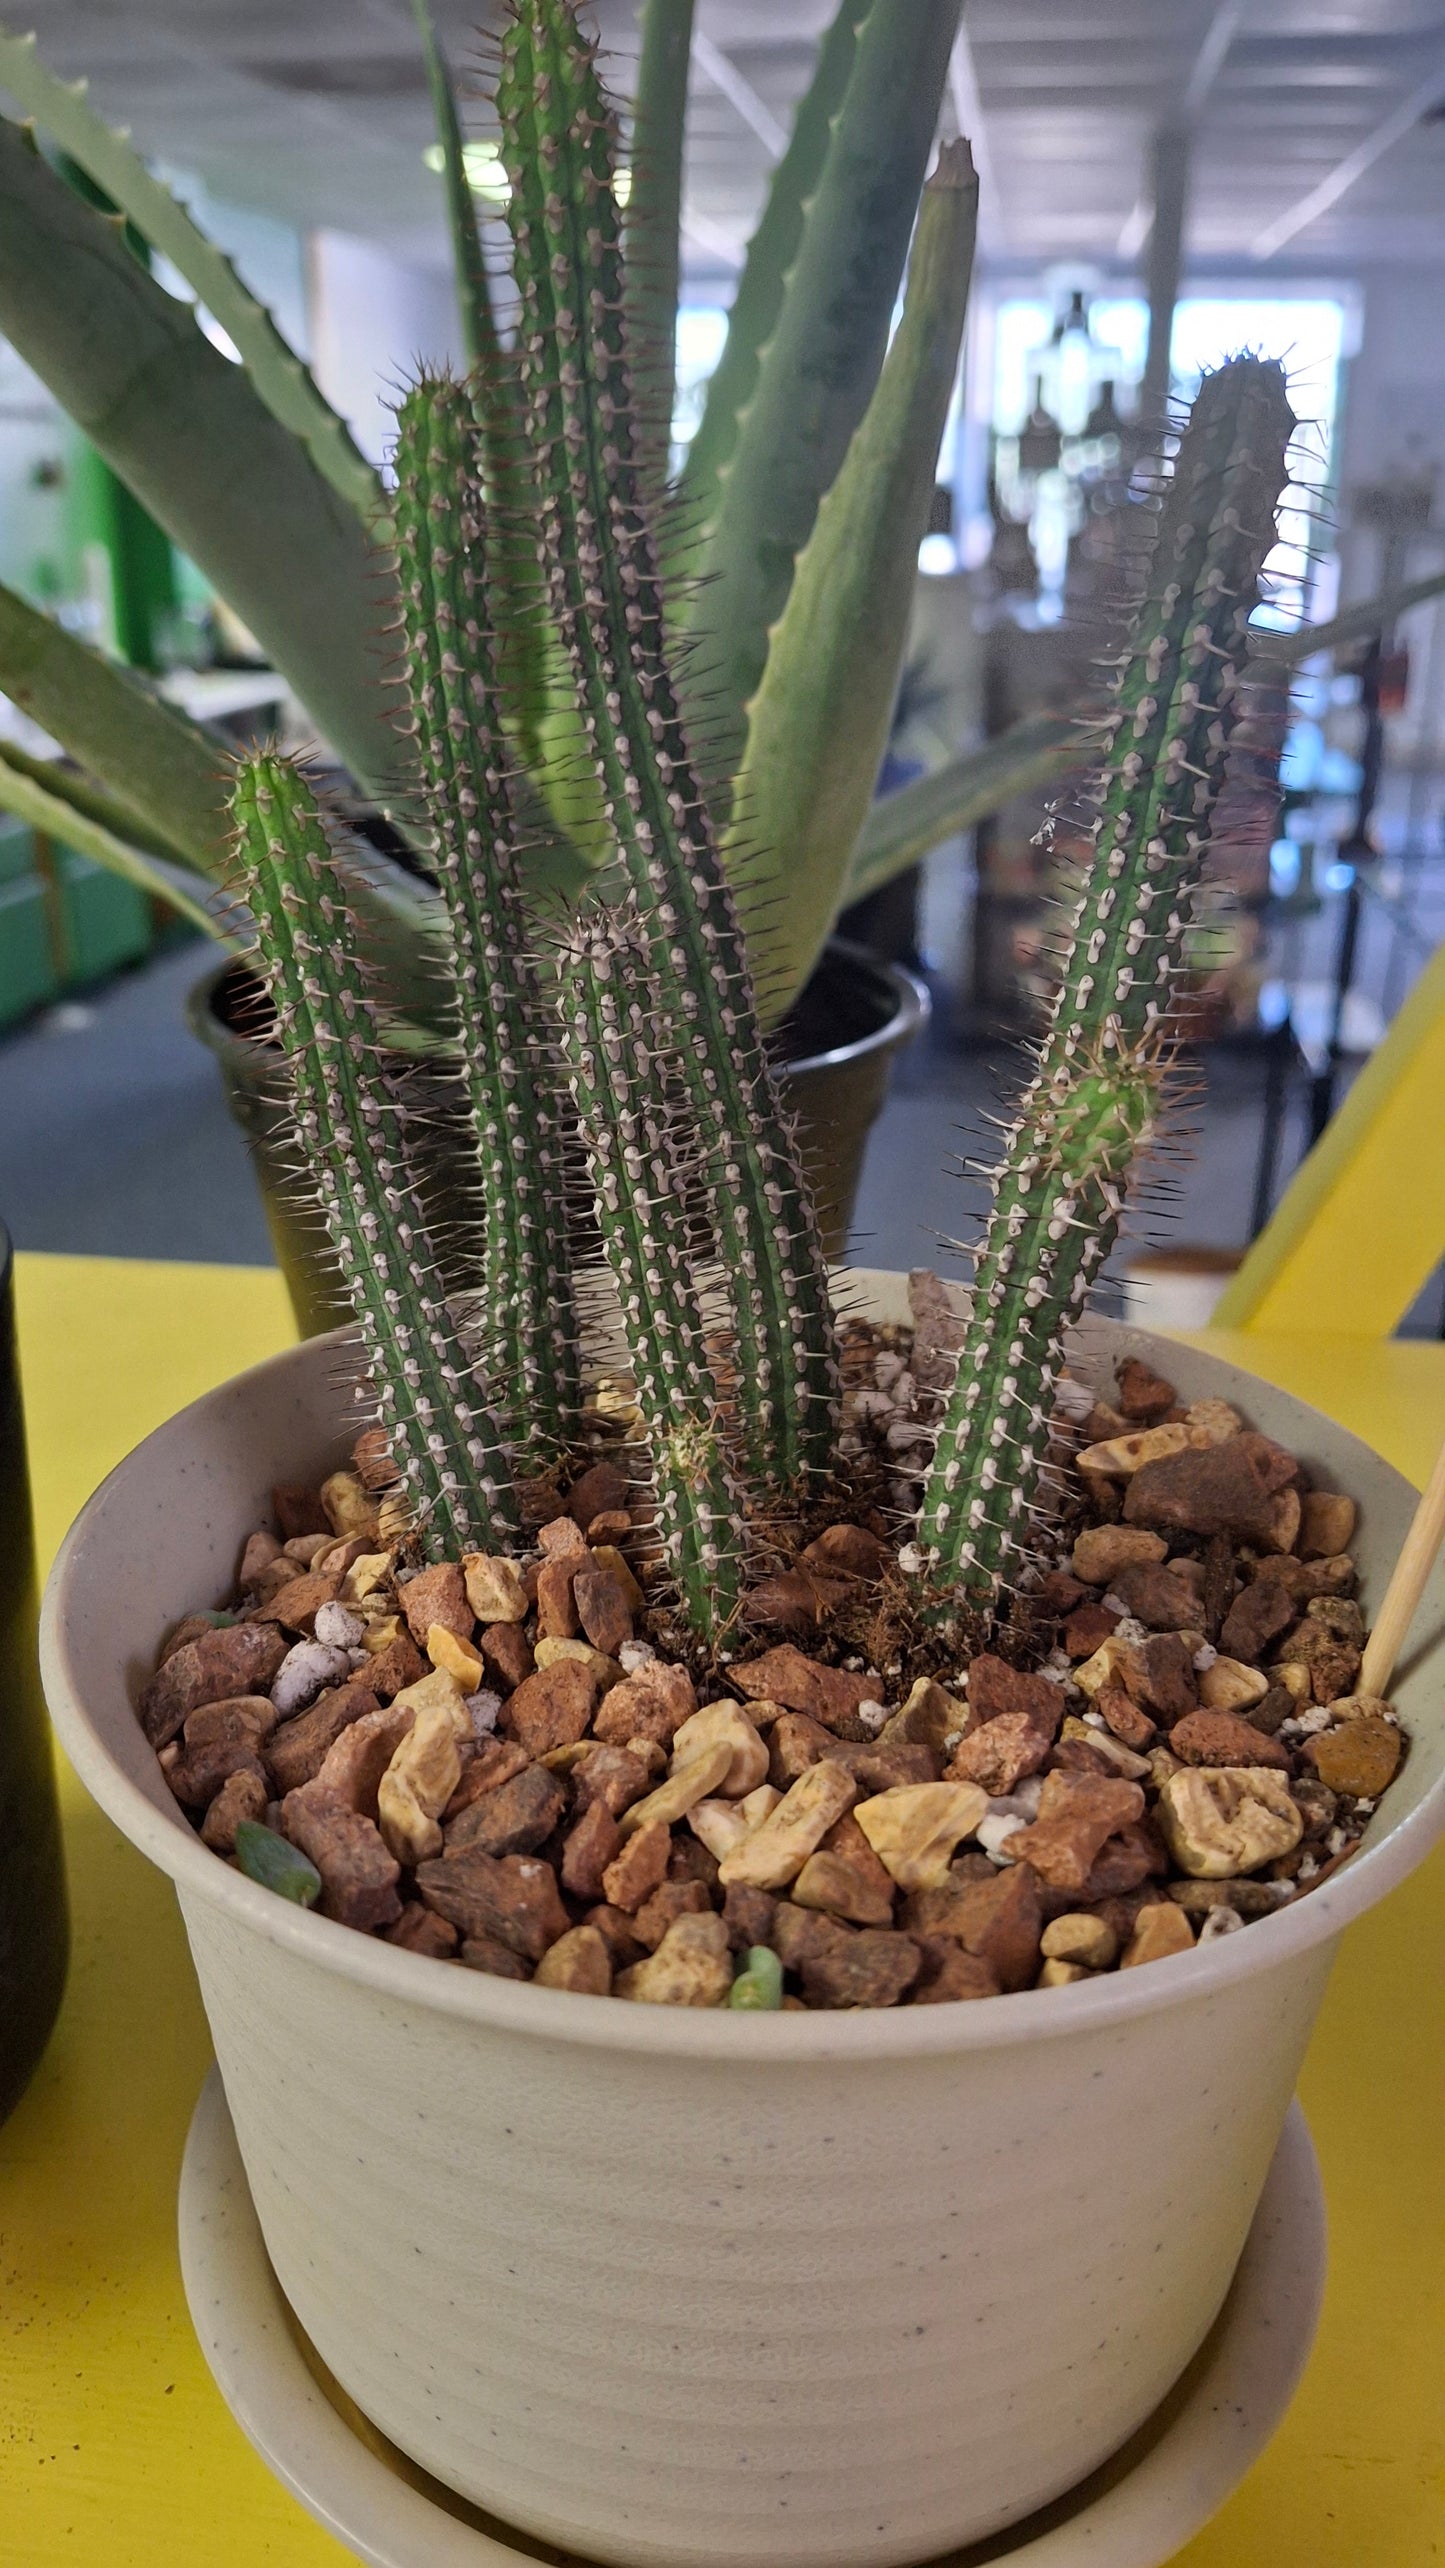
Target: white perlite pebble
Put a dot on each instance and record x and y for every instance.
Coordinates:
(1058, 1667)
(1220, 1921)
(338, 1629)
(911, 1561)
(1113, 1603)
(994, 1831)
(303, 1672)
(1072, 1399)
(635, 1654)
(1132, 1631)
(872, 1716)
(1307, 1725)
(887, 1369)
(1204, 1657)
(482, 1710)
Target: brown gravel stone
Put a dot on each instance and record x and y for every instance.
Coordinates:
(999, 1921)
(358, 1876)
(552, 1708)
(871, 1969)
(1225, 1738)
(1224, 1488)
(556, 1604)
(298, 1510)
(670, 1900)
(243, 1795)
(939, 1328)
(297, 1604)
(514, 1819)
(356, 1761)
(787, 1603)
(1359, 1757)
(193, 1628)
(260, 1549)
(802, 1934)
(485, 1953)
(296, 1748)
(845, 1878)
(748, 1915)
(399, 1665)
(616, 1933)
(611, 1775)
(848, 1551)
(651, 1704)
(220, 1738)
(877, 1768)
(420, 1930)
(1259, 1614)
(507, 1659)
(1144, 1397)
(1327, 1524)
(580, 1961)
(1101, 1551)
(1002, 1751)
(795, 1742)
(784, 1675)
(437, 1596)
(602, 1610)
(995, 1687)
(493, 1762)
(592, 1844)
(1086, 1628)
(1134, 1854)
(634, 1874)
(948, 1973)
(1159, 1673)
(1076, 1814)
(217, 1667)
(690, 1860)
(512, 1898)
(1248, 1898)
(603, 1490)
(1058, 1593)
(1158, 1597)
(1124, 1718)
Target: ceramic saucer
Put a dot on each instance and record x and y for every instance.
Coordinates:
(1134, 2512)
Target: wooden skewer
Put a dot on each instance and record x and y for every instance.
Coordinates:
(1417, 1559)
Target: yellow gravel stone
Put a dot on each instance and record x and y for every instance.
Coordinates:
(915, 1828)
(453, 1657)
(1228, 1686)
(702, 1730)
(1220, 1821)
(494, 1588)
(774, 1854)
(1081, 1937)
(1159, 1930)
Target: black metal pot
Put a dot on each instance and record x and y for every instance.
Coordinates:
(34, 1929)
(836, 1053)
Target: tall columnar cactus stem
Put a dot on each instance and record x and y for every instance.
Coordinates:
(639, 1180)
(527, 1331)
(1061, 1189)
(598, 551)
(350, 1126)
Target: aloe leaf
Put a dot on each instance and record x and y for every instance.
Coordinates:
(1033, 753)
(654, 209)
(284, 383)
(818, 725)
(28, 791)
(164, 770)
(771, 253)
(474, 292)
(92, 801)
(187, 432)
(819, 368)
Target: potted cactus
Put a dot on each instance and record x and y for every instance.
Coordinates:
(509, 1690)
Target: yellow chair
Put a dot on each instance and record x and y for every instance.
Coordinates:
(1361, 1226)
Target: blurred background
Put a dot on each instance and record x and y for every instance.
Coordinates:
(1164, 183)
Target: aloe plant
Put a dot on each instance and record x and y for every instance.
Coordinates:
(1095, 1095)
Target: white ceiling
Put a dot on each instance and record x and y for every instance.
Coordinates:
(318, 113)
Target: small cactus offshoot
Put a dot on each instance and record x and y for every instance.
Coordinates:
(1093, 1100)
(351, 1126)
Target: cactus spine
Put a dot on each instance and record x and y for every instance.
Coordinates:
(639, 1181)
(526, 1332)
(598, 553)
(351, 1127)
(1060, 1191)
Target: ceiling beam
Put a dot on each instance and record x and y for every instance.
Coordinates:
(711, 237)
(724, 75)
(1287, 226)
(1203, 73)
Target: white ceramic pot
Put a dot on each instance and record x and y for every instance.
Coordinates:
(702, 2289)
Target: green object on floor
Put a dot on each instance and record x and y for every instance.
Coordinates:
(105, 922)
(27, 968)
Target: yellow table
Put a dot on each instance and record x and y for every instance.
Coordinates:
(115, 2450)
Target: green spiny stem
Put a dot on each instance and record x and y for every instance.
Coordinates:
(639, 1180)
(1060, 1192)
(527, 1327)
(351, 1130)
(598, 551)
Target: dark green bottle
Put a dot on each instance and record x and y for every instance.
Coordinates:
(34, 1934)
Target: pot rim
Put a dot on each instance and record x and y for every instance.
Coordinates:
(795, 2039)
(912, 1009)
